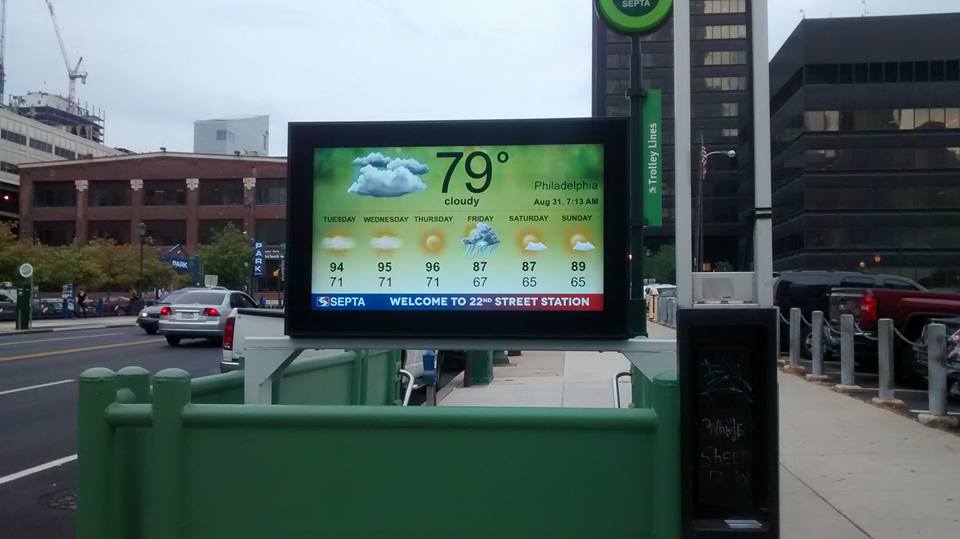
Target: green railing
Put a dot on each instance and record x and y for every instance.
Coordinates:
(165, 466)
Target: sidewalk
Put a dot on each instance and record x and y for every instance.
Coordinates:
(847, 469)
(68, 324)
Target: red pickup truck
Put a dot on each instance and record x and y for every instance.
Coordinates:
(910, 311)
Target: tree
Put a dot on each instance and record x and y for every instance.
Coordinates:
(228, 256)
(662, 265)
(120, 265)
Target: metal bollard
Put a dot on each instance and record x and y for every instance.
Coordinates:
(816, 352)
(937, 376)
(846, 354)
(936, 350)
(885, 358)
(795, 337)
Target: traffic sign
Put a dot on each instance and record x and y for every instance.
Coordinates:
(634, 16)
(26, 271)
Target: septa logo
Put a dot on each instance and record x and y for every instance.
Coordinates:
(326, 301)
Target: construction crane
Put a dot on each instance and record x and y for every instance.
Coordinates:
(3, 46)
(73, 72)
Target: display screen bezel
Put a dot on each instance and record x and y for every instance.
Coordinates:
(611, 322)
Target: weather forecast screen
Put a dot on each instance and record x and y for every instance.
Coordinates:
(478, 228)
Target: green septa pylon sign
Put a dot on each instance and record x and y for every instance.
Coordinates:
(634, 16)
(653, 158)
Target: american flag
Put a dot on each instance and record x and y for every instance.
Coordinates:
(703, 159)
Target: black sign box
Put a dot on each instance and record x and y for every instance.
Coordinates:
(728, 387)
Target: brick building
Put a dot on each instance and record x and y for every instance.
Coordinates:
(182, 198)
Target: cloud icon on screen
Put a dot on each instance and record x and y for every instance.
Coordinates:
(536, 246)
(584, 246)
(383, 177)
(338, 243)
(386, 243)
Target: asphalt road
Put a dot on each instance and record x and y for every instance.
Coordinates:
(38, 408)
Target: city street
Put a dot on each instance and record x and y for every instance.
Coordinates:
(38, 407)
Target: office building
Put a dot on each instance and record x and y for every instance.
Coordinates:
(866, 156)
(722, 108)
(240, 136)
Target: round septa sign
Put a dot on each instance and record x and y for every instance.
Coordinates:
(26, 270)
(634, 16)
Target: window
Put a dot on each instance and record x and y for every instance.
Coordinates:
(921, 71)
(271, 231)
(164, 193)
(201, 297)
(221, 134)
(938, 119)
(54, 194)
(921, 118)
(953, 118)
(13, 137)
(167, 232)
(822, 74)
(717, 110)
(714, 7)
(718, 58)
(857, 282)
(890, 72)
(846, 74)
(876, 73)
(118, 231)
(41, 145)
(54, 233)
(952, 70)
(109, 193)
(906, 119)
(9, 168)
(724, 31)
(906, 71)
(937, 72)
(860, 73)
(724, 84)
(241, 301)
(271, 192)
(210, 228)
(65, 153)
(221, 192)
(899, 284)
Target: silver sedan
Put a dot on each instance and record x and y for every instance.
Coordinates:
(200, 314)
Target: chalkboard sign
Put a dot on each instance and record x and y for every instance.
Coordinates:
(729, 422)
(725, 430)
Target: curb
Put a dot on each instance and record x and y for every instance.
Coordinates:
(53, 329)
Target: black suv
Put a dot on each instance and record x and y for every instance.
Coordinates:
(810, 291)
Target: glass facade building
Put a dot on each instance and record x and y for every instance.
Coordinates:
(866, 150)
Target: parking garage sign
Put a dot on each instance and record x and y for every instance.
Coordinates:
(259, 258)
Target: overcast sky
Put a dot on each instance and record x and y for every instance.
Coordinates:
(157, 66)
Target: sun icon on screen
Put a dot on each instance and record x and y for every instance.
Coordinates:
(531, 241)
(433, 241)
(579, 242)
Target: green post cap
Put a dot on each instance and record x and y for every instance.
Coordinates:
(634, 16)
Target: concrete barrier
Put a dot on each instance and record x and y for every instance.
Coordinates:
(937, 379)
(847, 361)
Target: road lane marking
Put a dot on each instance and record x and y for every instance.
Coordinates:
(38, 386)
(78, 350)
(37, 469)
(60, 339)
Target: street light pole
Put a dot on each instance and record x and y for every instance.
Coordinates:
(142, 229)
(698, 230)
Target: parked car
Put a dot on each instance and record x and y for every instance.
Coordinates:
(910, 310)
(952, 358)
(200, 314)
(149, 317)
(809, 290)
(8, 307)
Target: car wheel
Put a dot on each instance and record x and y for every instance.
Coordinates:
(173, 341)
(150, 331)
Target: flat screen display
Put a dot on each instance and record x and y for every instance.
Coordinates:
(513, 228)
(458, 228)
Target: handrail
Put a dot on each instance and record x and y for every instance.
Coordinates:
(409, 390)
(616, 387)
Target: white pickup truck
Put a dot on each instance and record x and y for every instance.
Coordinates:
(243, 323)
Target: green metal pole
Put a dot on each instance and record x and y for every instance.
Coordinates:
(663, 393)
(171, 394)
(638, 251)
(96, 511)
(479, 368)
(131, 463)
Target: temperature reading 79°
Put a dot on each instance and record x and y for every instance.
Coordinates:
(478, 165)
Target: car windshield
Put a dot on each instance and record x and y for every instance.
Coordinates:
(201, 298)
